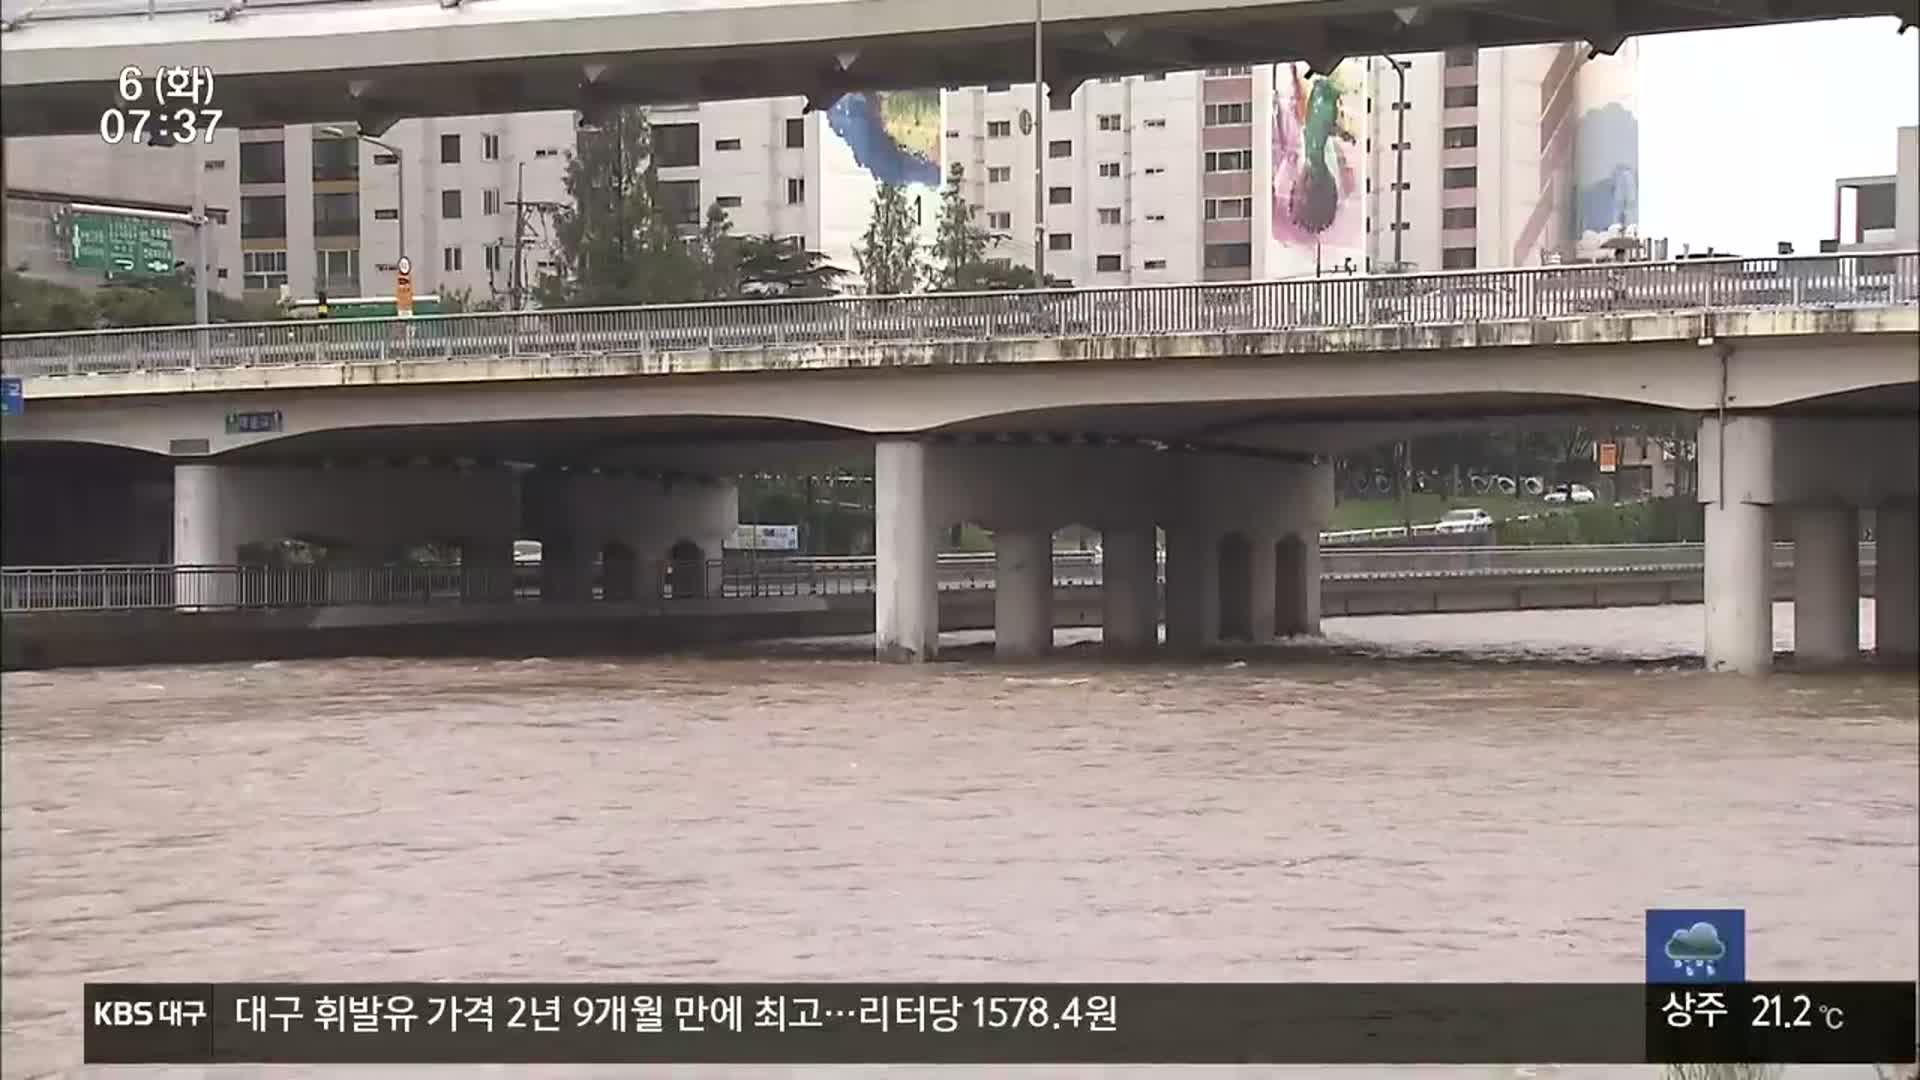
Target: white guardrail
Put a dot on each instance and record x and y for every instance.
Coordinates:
(43, 589)
(1347, 301)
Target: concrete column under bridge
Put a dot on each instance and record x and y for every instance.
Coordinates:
(1896, 621)
(1736, 487)
(1022, 592)
(1826, 583)
(906, 602)
(1129, 590)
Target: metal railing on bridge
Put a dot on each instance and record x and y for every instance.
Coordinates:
(28, 589)
(1325, 303)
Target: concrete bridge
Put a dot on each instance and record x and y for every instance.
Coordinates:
(1206, 411)
(280, 62)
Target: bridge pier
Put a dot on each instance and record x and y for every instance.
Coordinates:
(906, 608)
(1896, 607)
(1193, 587)
(1826, 583)
(1737, 489)
(1129, 590)
(1022, 593)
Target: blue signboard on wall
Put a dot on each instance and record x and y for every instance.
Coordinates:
(13, 400)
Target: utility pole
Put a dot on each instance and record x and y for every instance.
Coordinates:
(515, 283)
(1039, 145)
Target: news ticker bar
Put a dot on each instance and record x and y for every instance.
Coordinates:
(998, 1023)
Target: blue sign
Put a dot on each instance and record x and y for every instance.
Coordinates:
(253, 423)
(1707, 945)
(13, 399)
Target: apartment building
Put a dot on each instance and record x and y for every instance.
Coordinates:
(321, 209)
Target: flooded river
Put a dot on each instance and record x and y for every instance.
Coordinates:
(1423, 798)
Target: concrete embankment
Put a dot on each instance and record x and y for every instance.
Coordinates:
(74, 639)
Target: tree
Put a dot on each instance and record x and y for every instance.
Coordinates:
(889, 253)
(29, 305)
(617, 242)
(770, 266)
(960, 243)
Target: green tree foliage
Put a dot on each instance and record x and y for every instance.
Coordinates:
(771, 266)
(960, 242)
(889, 254)
(29, 305)
(616, 242)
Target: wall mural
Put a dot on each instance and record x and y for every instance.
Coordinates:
(884, 137)
(1318, 216)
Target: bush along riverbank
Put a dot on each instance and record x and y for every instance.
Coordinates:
(1656, 521)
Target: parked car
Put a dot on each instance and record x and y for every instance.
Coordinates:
(1570, 493)
(1464, 520)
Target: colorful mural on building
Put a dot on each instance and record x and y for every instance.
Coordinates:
(1606, 151)
(1318, 217)
(874, 138)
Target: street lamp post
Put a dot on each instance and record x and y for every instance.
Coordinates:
(399, 179)
(1399, 161)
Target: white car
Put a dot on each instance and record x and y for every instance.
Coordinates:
(1465, 520)
(1570, 493)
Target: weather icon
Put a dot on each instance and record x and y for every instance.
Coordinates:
(1696, 949)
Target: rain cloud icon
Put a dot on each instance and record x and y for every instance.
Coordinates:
(1695, 949)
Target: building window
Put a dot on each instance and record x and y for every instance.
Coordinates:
(796, 133)
(490, 147)
(1154, 264)
(1154, 123)
(1234, 209)
(489, 201)
(676, 145)
(1153, 170)
(1107, 264)
(1109, 215)
(1459, 258)
(384, 158)
(388, 214)
(1875, 207)
(1459, 217)
(1229, 72)
(1110, 121)
(490, 255)
(450, 149)
(999, 174)
(681, 200)
(1000, 219)
(1060, 241)
(1229, 160)
(263, 216)
(450, 203)
(263, 162)
(726, 144)
(1059, 196)
(338, 271)
(1156, 217)
(796, 190)
(1461, 97)
(215, 165)
(1110, 80)
(335, 159)
(1462, 58)
(336, 214)
(264, 269)
(999, 129)
(1110, 170)
(1227, 113)
(547, 151)
(1455, 179)
(1060, 148)
(1223, 256)
(450, 259)
(1459, 138)
(727, 202)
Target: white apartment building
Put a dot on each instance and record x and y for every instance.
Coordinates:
(1880, 213)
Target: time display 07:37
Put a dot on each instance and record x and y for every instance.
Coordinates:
(169, 125)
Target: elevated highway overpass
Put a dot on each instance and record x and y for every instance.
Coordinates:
(374, 61)
(1206, 411)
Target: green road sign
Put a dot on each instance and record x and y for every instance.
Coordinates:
(122, 246)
